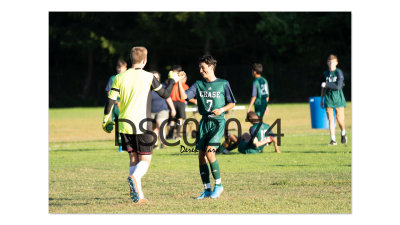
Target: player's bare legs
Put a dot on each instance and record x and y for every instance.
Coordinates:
(133, 160)
(157, 132)
(275, 144)
(340, 119)
(330, 114)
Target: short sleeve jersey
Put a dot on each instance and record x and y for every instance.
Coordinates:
(109, 84)
(334, 98)
(260, 90)
(134, 88)
(260, 134)
(211, 95)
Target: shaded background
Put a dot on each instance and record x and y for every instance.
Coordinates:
(292, 46)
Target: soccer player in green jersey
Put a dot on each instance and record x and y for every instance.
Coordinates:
(214, 98)
(121, 67)
(252, 142)
(333, 82)
(260, 92)
(134, 88)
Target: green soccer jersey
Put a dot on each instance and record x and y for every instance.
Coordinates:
(334, 97)
(211, 95)
(261, 134)
(260, 90)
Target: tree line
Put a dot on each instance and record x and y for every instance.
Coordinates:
(292, 46)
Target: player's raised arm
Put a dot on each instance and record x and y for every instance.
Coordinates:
(189, 93)
(164, 92)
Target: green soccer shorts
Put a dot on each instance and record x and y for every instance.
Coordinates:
(260, 109)
(244, 148)
(209, 133)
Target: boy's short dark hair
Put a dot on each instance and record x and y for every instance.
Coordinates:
(209, 60)
(257, 67)
(122, 63)
(252, 117)
(177, 68)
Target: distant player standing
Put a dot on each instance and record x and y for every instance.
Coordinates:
(134, 88)
(121, 67)
(260, 92)
(333, 82)
(214, 98)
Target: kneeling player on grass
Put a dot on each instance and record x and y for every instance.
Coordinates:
(214, 97)
(134, 87)
(252, 142)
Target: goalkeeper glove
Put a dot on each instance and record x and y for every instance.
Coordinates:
(107, 125)
(174, 76)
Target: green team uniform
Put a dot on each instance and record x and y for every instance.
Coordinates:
(261, 92)
(334, 97)
(210, 96)
(249, 147)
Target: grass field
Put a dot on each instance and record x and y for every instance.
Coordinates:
(87, 174)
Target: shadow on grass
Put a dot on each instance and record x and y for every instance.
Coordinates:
(279, 165)
(323, 152)
(69, 201)
(78, 150)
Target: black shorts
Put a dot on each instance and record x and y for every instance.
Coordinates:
(180, 110)
(140, 143)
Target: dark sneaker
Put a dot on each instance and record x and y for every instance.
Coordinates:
(344, 139)
(333, 143)
(134, 193)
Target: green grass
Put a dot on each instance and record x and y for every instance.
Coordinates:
(88, 175)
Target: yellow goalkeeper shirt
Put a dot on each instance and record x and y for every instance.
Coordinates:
(134, 88)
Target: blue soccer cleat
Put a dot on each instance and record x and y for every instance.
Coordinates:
(216, 192)
(134, 193)
(205, 194)
(120, 149)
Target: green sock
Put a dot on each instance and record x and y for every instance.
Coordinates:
(220, 148)
(216, 172)
(205, 176)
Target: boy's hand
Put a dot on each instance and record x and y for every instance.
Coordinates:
(174, 76)
(217, 112)
(182, 74)
(322, 104)
(173, 113)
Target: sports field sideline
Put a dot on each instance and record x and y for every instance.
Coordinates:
(88, 175)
